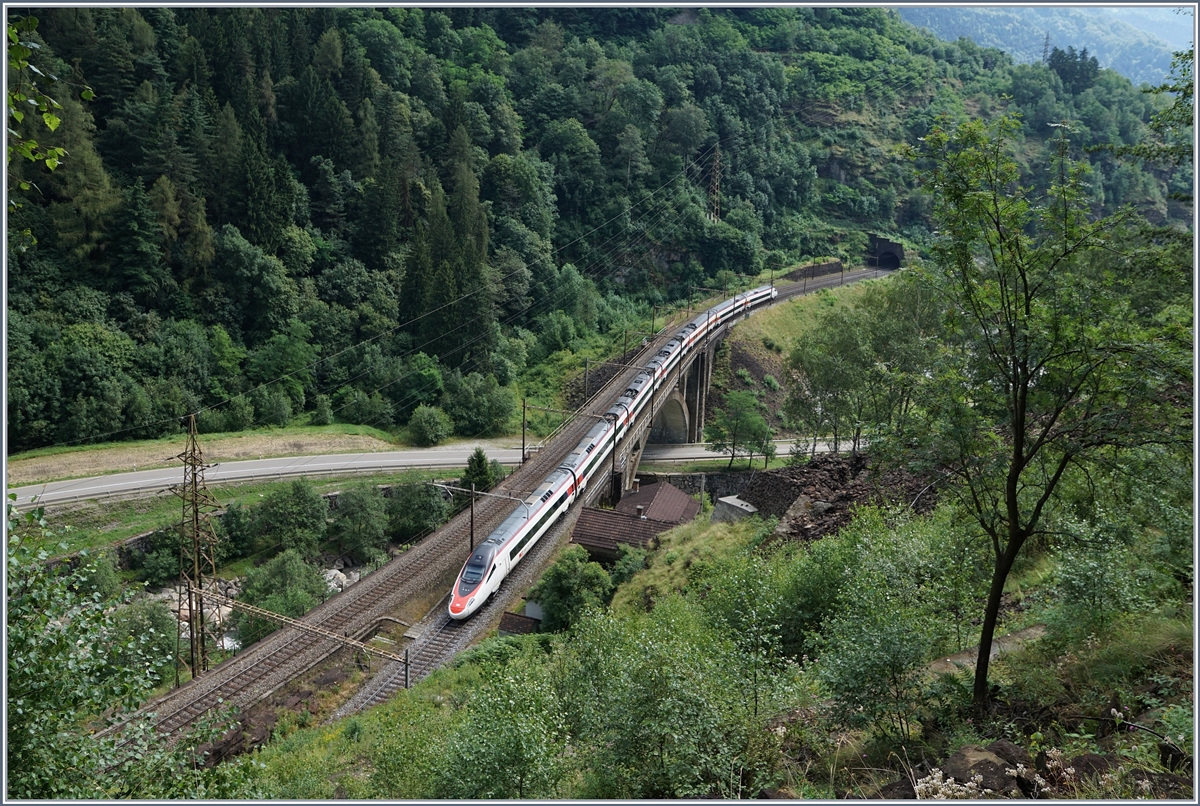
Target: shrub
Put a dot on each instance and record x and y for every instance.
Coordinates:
(744, 375)
(481, 472)
(236, 531)
(770, 382)
(160, 567)
(322, 411)
(360, 523)
(356, 406)
(146, 635)
(275, 408)
(291, 518)
(99, 577)
(631, 561)
(1096, 582)
(570, 587)
(240, 414)
(477, 404)
(415, 509)
(286, 585)
(429, 425)
(211, 421)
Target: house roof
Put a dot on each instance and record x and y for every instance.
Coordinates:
(514, 624)
(663, 502)
(600, 531)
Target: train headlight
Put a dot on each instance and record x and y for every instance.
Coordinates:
(471, 601)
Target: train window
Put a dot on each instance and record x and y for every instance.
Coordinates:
(492, 574)
(477, 565)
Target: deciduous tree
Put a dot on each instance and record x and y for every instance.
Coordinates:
(1045, 367)
(737, 427)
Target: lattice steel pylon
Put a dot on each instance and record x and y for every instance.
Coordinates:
(197, 560)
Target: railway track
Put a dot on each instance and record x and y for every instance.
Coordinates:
(261, 669)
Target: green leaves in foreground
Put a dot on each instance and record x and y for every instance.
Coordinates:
(73, 669)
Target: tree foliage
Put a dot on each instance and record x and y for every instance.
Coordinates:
(569, 587)
(738, 427)
(326, 195)
(1046, 368)
(360, 523)
(415, 510)
(76, 665)
(286, 585)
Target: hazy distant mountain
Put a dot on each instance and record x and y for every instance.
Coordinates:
(1172, 28)
(1106, 34)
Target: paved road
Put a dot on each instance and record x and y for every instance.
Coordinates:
(152, 482)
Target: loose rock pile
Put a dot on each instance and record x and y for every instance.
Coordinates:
(817, 498)
(1006, 770)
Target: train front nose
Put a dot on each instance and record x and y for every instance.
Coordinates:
(463, 606)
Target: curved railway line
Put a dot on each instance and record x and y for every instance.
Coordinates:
(261, 669)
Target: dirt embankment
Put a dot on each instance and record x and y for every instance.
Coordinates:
(96, 462)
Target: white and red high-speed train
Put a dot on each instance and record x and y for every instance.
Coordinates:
(494, 558)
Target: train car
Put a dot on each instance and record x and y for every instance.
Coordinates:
(494, 558)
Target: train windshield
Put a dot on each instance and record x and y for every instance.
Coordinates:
(476, 566)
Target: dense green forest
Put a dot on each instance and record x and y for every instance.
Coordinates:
(304, 215)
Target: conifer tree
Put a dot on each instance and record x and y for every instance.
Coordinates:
(137, 264)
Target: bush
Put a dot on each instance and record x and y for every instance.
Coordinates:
(557, 332)
(480, 472)
(744, 375)
(274, 408)
(360, 523)
(291, 518)
(429, 425)
(211, 421)
(322, 411)
(477, 404)
(240, 414)
(770, 382)
(236, 531)
(286, 585)
(146, 635)
(356, 406)
(1096, 582)
(160, 568)
(99, 578)
(414, 510)
(570, 587)
(631, 561)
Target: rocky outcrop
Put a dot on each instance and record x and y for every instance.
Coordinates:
(1006, 770)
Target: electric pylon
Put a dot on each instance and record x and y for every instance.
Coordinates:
(197, 559)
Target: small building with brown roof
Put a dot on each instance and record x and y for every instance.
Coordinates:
(640, 516)
(515, 624)
(660, 502)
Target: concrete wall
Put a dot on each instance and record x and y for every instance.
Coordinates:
(715, 485)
